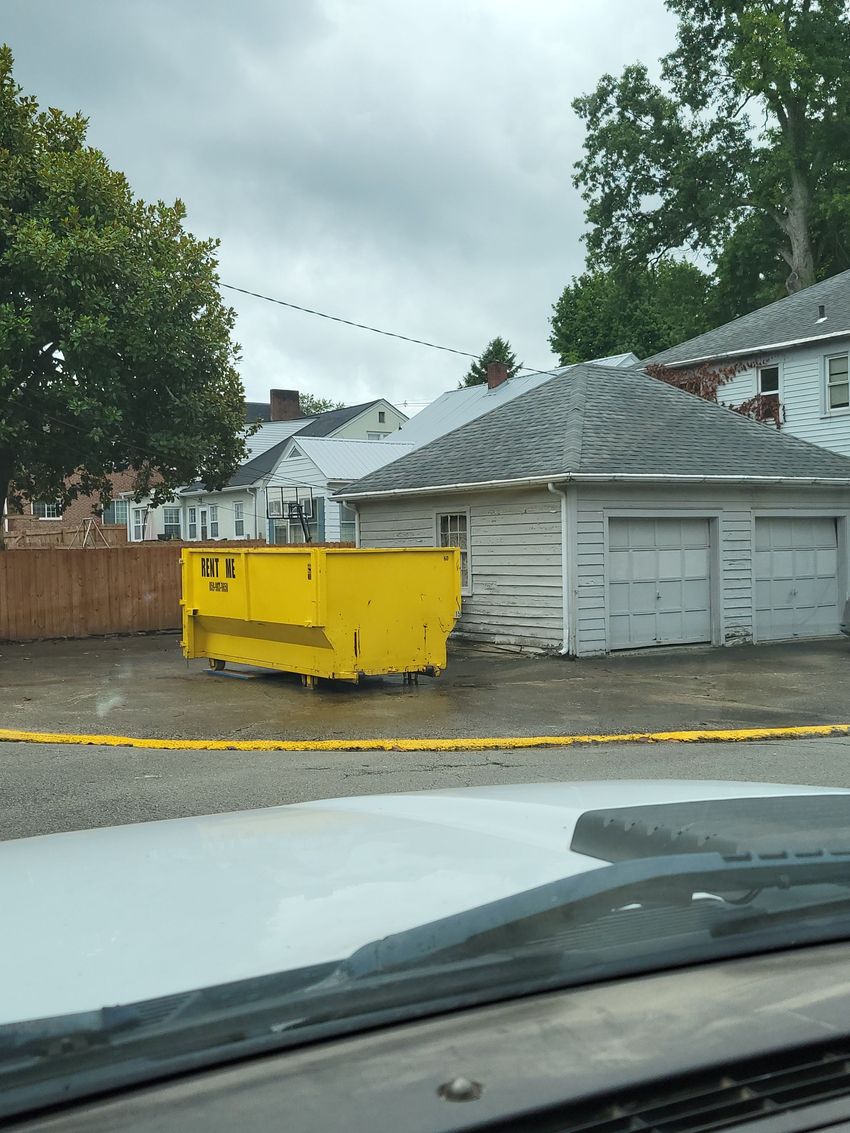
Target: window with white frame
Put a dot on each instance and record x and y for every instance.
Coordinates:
(837, 385)
(192, 522)
(47, 509)
(140, 519)
(769, 380)
(213, 521)
(376, 436)
(382, 416)
(453, 531)
(117, 512)
(239, 520)
(171, 522)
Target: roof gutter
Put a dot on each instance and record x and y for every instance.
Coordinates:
(593, 478)
(749, 350)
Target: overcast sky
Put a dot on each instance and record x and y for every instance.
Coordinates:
(401, 164)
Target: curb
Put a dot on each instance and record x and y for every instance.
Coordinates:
(719, 735)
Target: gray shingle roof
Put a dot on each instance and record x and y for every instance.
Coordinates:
(787, 320)
(333, 419)
(596, 421)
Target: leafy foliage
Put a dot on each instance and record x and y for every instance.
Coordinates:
(311, 405)
(640, 309)
(741, 152)
(497, 350)
(115, 346)
(707, 379)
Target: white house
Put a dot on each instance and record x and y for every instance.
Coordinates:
(802, 344)
(607, 510)
(241, 509)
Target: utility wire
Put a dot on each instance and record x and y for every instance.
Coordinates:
(365, 326)
(349, 322)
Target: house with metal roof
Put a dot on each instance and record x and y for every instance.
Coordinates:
(796, 352)
(251, 505)
(606, 510)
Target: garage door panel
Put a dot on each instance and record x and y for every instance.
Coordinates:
(669, 564)
(619, 567)
(643, 597)
(696, 563)
(618, 598)
(644, 565)
(826, 563)
(796, 587)
(659, 585)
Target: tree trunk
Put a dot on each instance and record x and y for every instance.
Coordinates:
(797, 226)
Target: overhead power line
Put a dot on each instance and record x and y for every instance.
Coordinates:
(349, 322)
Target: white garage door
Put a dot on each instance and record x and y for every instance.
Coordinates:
(796, 571)
(659, 588)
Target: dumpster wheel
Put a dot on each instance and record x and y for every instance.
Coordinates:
(216, 664)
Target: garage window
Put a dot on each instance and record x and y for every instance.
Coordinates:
(453, 531)
(837, 387)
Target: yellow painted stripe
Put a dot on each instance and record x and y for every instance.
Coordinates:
(486, 743)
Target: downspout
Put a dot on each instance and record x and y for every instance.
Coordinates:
(569, 528)
(354, 506)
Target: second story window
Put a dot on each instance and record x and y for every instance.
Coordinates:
(769, 380)
(382, 416)
(837, 387)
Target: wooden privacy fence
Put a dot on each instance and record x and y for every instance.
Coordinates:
(73, 592)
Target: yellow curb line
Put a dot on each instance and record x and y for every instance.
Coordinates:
(718, 735)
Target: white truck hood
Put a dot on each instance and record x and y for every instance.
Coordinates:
(108, 916)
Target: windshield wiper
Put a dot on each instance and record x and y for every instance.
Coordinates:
(584, 897)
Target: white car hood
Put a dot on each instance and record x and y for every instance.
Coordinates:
(107, 916)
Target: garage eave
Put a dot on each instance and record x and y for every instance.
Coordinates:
(597, 478)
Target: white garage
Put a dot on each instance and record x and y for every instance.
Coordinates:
(606, 510)
(659, 588)
(796, 577)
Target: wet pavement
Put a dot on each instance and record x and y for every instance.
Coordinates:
(141, 686)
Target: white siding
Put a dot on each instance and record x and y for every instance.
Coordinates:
(368, 422)
(732, 511)
(515, 558)
(225, 502)
(801, 394)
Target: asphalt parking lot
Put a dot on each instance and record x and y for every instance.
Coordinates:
(141, 686)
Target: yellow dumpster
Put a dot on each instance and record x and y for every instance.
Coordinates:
(321, 611)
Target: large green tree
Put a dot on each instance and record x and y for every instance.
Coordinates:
(626, 308)
(497, 350)
(115, 346)
(741, 152)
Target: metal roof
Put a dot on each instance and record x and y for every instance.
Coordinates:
(272, 433)
(787, 322)
(341, 459)
(457, 407)
(609, 423)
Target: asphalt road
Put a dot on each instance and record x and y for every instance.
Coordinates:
(45, 788)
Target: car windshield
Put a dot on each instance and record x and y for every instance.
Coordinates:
(424, 514)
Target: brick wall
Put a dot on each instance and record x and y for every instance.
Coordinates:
(79, 509)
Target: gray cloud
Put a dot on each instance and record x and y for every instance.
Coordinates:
(402, 165)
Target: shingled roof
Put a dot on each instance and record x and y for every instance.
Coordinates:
(796, 318)
(593, 421)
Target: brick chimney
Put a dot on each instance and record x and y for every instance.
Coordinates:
(497, 372)
(285, 404)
